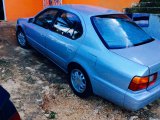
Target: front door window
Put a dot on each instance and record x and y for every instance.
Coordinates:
(46, 19)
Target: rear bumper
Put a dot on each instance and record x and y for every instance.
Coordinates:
(136, 100)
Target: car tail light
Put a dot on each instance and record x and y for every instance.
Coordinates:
(139, 83)
(15, 117)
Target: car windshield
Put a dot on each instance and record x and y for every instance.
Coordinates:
(119, 32)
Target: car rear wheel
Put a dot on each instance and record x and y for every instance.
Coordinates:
(79, 82)
(21, 39)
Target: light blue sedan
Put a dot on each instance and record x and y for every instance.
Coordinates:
(102, 50)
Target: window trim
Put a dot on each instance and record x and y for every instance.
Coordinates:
(98, 33)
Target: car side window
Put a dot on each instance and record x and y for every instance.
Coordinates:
(46, 18)
(68, 25)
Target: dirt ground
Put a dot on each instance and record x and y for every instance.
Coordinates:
(40, 91)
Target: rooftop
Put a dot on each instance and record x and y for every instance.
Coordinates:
(86, 9)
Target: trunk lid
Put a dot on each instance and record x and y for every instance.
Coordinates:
(147, 54)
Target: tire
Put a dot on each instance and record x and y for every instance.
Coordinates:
(21, 39)
(79, 82)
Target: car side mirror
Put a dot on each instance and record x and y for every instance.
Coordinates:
(31, 20)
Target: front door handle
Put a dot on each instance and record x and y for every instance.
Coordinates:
(70, 50)
(42, 35)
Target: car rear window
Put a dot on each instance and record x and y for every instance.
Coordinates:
(118, 31)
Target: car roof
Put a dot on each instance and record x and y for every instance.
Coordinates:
(86, 9)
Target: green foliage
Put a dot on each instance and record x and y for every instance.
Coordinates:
(150, 0)
(143, 10)
(149, 4)
(52, 115)
(145, 6)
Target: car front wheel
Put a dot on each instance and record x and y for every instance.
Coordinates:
(79, 82)
(21, 39)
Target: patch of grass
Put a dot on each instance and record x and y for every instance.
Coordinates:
(4, 63)
(30, 80)
(7, 74)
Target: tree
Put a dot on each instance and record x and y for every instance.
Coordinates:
(145, 6)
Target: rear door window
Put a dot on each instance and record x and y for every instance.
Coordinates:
(68, 25)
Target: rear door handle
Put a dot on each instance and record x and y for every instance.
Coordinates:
(52, 38)
(42, 35)
(69, 50)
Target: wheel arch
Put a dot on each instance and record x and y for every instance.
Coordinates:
(85, 68)
(73, 64)
(19, 27)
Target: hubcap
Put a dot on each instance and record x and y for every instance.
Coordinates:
(78, 80)
(21, 39)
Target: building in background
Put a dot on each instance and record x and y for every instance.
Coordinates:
(14, 9)
(51, 2)
(111, 4)
(11, 10)
(1, 10)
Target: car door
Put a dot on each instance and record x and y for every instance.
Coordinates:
(64, 38)
(37, 30)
